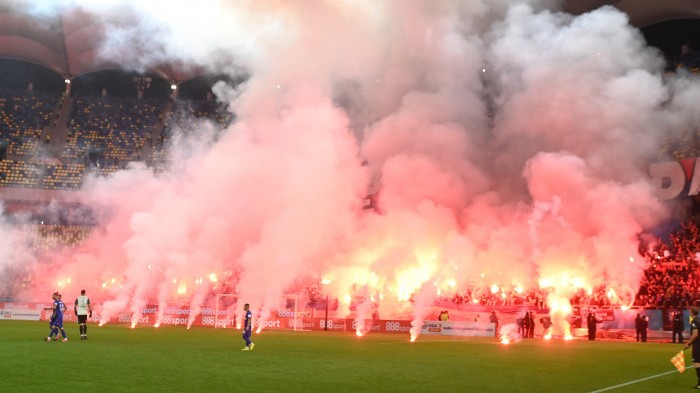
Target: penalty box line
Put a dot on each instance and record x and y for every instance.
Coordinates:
(637, 381)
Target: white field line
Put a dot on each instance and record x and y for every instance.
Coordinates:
(637, 381)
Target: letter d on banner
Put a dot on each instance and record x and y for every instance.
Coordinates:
(668, 177)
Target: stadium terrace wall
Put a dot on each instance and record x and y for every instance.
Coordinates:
(39, 195)
(178, 315)
(671, 178)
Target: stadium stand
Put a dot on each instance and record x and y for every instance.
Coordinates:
(115, 127)
(16, 173)
(23, 116)
(688, 60)
(672, 278)
(49, 238)
(185, 113)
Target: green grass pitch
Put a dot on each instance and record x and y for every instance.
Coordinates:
(173, 359)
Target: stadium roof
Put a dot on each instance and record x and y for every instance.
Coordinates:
(68, 43)
(642, 13)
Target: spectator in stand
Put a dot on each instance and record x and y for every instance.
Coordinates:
(540, 301)
(444, 316)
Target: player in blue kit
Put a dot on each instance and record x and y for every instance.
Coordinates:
(248, 328)
(53, 314)
(56, 321)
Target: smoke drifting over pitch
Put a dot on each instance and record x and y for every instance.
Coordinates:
(507, 141)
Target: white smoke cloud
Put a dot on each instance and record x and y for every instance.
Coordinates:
(17, 257)
(507, 141)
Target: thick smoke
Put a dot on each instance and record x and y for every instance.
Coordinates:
(16, 243)
(505, 140)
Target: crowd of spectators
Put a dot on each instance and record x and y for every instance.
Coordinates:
(532, 297)
(23, 117)
(492, 296)
(50, 176)
(103, 135)
(185, 111)
(672, 278)
(49, 238)
(116, 127)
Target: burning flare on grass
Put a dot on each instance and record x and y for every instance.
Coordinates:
(509, 334)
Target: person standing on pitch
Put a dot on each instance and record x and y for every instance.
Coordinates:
(54, 297)
(531, 326)
(645, 328)
(58, 308)
(526, 325)
(695, 342)
(248, 328)
(638, 326)
(592, 322)
(493, 318)
(82, 310)
(678, 326)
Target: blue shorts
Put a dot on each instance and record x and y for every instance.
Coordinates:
(246, 336)
(58, 322)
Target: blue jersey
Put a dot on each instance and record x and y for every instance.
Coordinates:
(59, 308)
(248, 324)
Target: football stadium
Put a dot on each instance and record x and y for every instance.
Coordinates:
(350, 195)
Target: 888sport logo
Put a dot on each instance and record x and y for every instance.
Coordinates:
(393, 326)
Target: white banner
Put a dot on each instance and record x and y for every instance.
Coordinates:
(20, 315)
(459, 328)
(471, 329)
